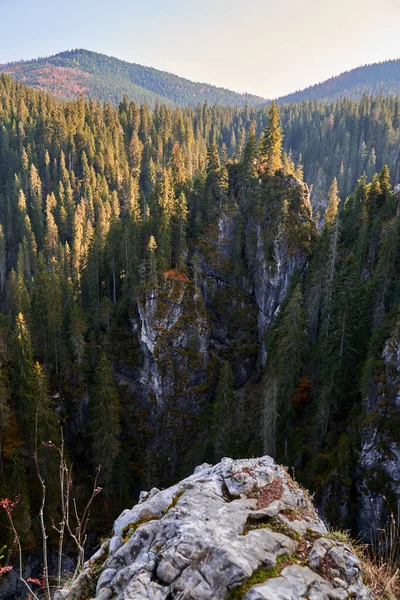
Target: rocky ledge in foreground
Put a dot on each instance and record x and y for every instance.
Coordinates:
(240, 529)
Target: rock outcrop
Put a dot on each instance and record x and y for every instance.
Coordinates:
(240, 529)
(379, 461)
(189, 324)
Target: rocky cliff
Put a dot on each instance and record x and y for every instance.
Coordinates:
(240, 529)
(379, 461)
(239, 272)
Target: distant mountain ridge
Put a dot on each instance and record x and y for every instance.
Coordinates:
(69, 74)
(382, 77)
(81, 72)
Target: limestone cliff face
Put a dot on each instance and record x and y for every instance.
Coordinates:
(174, 337)
(239, 275)
(207, 537)
(379, 462)
(271, 281)
(239, 272)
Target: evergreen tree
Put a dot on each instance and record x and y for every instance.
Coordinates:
(3, 259)
(181, 212)
(25, 389)
(286, 364)
(151, 261)
(250, 153)
(105, 424)
(224, 416)
(333, 203)
(270, 157)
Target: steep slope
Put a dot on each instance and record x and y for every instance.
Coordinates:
(69, 74)
(383, 77)
(379, 478)
(240, 529)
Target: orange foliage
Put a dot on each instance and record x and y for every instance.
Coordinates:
(303, 393)
(176, 275)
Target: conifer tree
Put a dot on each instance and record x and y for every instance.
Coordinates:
(51, 239)
(36, 204)
(78, 329)
(286, 363)
(270, 157)
(333, 203)
(224, 408)
(24, 379)
(250, 153)
(181, 212)
(151, 261)
(45, 416)
(3, 259)
(216, 180)
(105, 424)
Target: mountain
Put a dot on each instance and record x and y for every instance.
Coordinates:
(70, 74)
(383, 77)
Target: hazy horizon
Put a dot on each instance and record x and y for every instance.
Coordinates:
(264, 49)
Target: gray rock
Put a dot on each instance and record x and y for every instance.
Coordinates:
(105, 578)
(208, 534)
(339, 557)
(380, 451)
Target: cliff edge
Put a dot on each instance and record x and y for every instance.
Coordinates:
(239, 529)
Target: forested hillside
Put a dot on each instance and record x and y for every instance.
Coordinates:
(167, 299)
(70, 74)
(379, 78)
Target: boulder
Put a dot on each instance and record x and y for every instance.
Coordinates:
(239, 529)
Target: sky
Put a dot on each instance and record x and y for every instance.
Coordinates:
(264, 47)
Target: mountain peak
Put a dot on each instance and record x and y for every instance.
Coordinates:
(71, 73)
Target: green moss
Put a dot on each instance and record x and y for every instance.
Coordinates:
(130, 529)
(274, 524)
(175, 501)
(260, 576)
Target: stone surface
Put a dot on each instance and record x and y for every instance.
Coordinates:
(207, 535)
(379, 460)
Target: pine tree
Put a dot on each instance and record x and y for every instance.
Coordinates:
(3, 259)
(250, 154)
(151, 261)
(180, 247)
(333, 203)
(216, 184)
(270, 157)
(45, 416)
(5, 408)
(78, 329)
(224, 417)
(286, 362)
(51, 239)
(24, 379)
(36, 204)
(105, 424)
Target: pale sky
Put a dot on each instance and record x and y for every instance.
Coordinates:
(263, 47)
